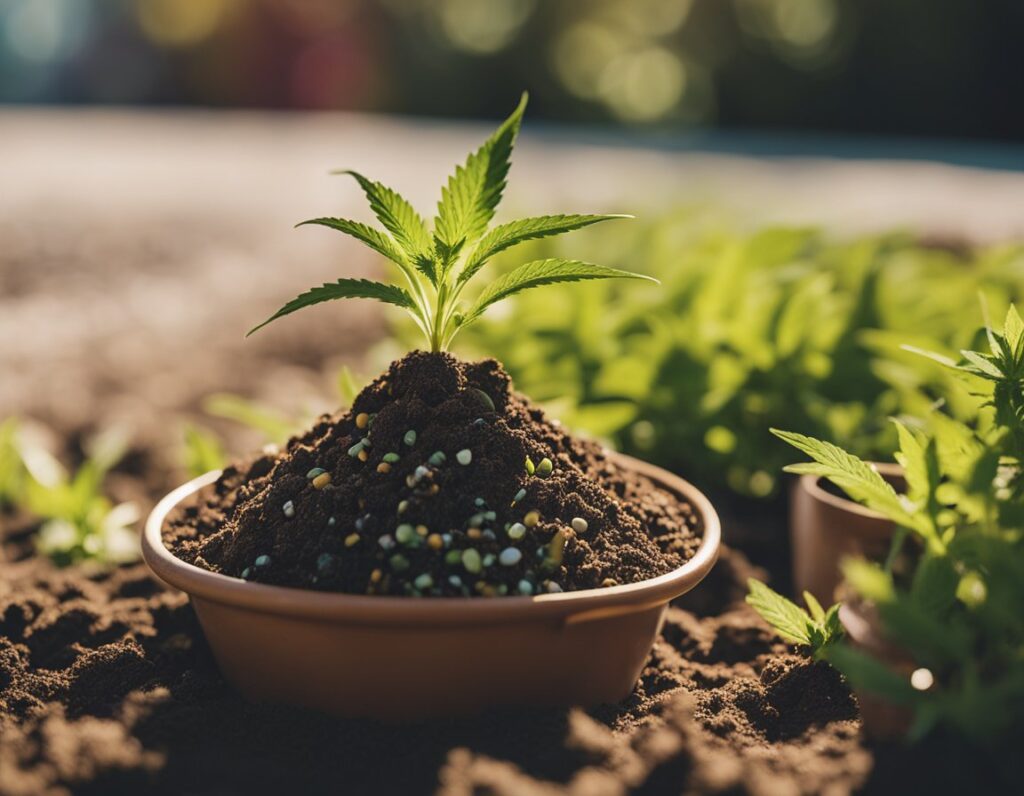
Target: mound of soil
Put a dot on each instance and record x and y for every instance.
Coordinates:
(439, 481)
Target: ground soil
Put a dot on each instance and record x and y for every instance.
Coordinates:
(327, 513)
(107, 685)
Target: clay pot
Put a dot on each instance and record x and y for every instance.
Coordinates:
(881, 720)
(825, 528)
(404, 658)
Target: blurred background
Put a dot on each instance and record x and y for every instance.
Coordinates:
(936, 69)
(816, 182)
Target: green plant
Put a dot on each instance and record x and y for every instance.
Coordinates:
(814, 628)
(79, 522)
(12, 471)
(437, 265)
(783, 327)
(951, 592)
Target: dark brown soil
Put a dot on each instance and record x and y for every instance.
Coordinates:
(106, 685)
(423, 488)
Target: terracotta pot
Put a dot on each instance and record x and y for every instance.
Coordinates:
(405, 658)
(882, 721)
(825, 528)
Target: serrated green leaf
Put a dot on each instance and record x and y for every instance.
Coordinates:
(920, 462)
(1013, 331)
(788, 619)
(507, 235)
(401, 220)
(817, 612)
(469, 199)
(855, 477)
(984, 365)
(374, 238)
(343, 288)
(543, 272)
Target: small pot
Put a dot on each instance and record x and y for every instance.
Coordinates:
(405, 658)
(881, 720)
(826, 528)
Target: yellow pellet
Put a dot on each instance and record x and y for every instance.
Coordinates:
(422, 530)
(531, 518)
(474, 533)
(435, 542)
(362, 419)
(363, 455)
(376, 575)
(351, 539)
(383, 467)
(609, 582)
(321, 480)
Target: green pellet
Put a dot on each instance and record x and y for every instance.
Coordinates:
(545, 467)
(355, 449)
(519, 496)
(261, 561)
(398, 562)
(525, 587)
(453, 557)
(471, 561)
(464, 456)
(314, 473)
(406, 534)
(530, 468)
(391, 458)
(437, 458)
(424, 581)
(409, 438)
(516, 531)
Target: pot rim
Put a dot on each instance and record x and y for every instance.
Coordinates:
(811, 484)
(388, 610)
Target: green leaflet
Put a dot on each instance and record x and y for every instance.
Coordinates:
(343, 288)
(818, 629)
(401, 220)
(789, 620)
(469, 199)
(543, 272)
(507, 235)
(374, 238)
(857, 478)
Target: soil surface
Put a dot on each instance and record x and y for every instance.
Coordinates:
(439, 481)
(106, 683)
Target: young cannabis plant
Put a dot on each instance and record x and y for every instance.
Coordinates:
(815, 628)
(437, 265)
(80, 524)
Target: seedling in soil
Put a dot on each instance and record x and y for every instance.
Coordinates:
(956, 612)
(814, 628)
(80, 523)
(438, 264)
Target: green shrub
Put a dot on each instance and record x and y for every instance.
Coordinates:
(780, 327)
(956, 606)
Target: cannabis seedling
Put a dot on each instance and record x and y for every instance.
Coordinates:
(814, 628)
(80, 522)
(437, 265)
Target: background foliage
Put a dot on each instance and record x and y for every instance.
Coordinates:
(749, 330)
